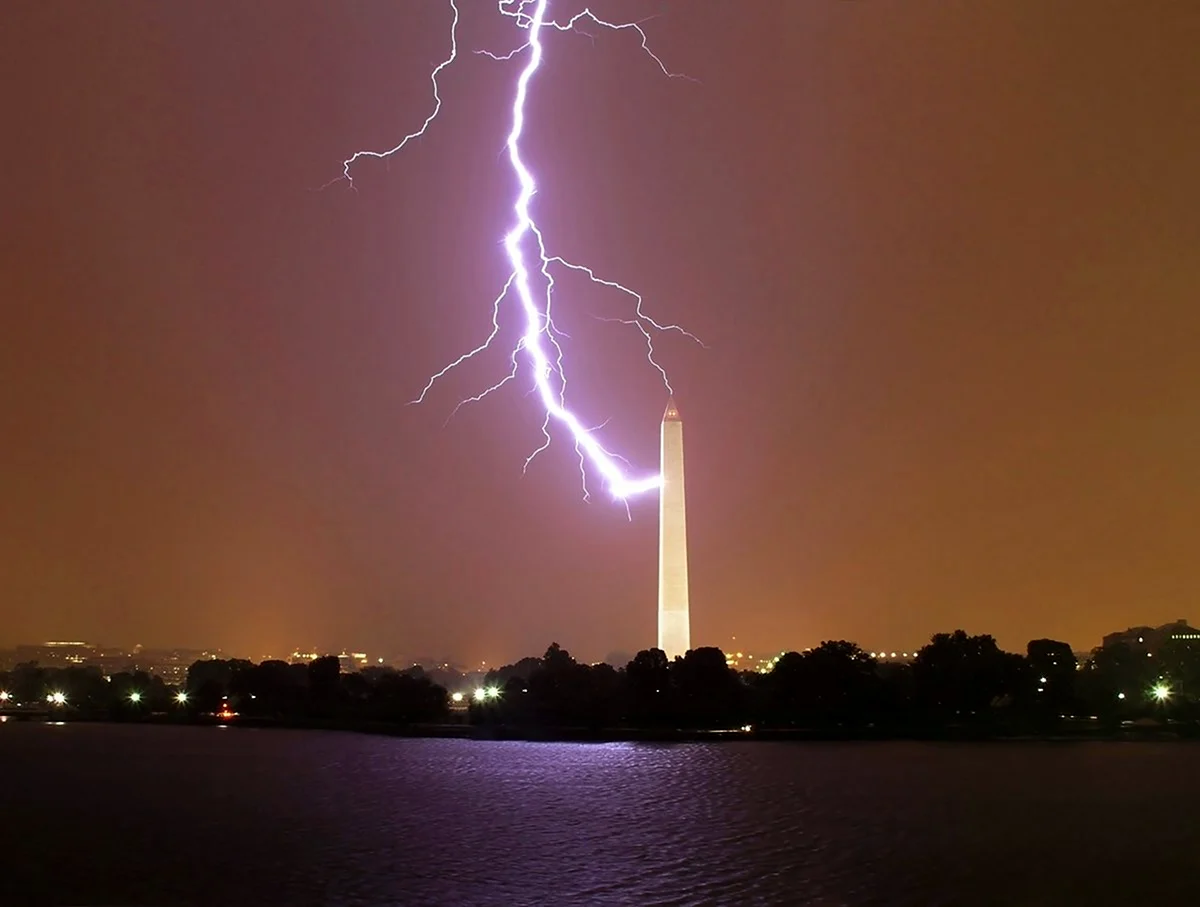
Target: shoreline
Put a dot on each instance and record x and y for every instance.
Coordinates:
(463, 731)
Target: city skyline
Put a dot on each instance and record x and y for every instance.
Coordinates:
(393, 656)
(396, 652)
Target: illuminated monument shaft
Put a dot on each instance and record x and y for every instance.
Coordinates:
(674, 623)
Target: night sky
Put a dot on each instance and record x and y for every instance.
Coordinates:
(944, 254)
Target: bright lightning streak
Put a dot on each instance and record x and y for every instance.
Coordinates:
(524, 243)
(537, 325)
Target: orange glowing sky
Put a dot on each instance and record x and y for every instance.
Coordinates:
(944, 255)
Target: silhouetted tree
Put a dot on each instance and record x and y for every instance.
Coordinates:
(136, 694)
(648, 699)
(783, 699)
(897, 693)
(215, 671)
(325, 686)
(1115, 682)
(1050, 692)
(515, 705)
(844, 683)
(707, 692)
(30, 682)
(272, 689)
(353, 695)
(604, 707)
(961, 678)
(324, 674)
(559, 690)
(834, 684)
(85, 688)
(403, 699)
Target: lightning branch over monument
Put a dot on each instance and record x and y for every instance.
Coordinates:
(674, 621)
(538, 352)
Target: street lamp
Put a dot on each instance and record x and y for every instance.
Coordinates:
(456, 697)
(181, 697)
(57, 699)
(1161, 692)
(480, 694)
(135, 697)
(4, 697)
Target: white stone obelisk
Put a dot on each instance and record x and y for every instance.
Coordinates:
(674, 624)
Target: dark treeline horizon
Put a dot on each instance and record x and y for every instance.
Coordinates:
(955, 680)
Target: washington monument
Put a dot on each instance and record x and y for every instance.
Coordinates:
(674, 624)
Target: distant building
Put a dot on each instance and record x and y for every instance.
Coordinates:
(740, 661)
(1151, 639)
(764, 664)
(170, 664)
(56, 654)
(353, 661)
(348, 662)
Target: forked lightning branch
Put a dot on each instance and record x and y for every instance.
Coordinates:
(539, 355)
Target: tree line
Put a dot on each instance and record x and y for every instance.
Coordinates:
(956, 681)
(314, 693)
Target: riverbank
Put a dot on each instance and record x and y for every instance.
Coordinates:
(1080, 731)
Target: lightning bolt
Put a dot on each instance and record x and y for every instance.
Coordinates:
(531, 264)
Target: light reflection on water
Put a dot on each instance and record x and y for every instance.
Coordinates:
(192, 816)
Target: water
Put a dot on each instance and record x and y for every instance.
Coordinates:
(115, 815)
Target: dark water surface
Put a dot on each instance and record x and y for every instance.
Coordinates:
(109, 815)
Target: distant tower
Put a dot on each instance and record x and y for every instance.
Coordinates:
(674, 624)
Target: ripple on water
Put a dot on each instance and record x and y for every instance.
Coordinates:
(199, 816)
